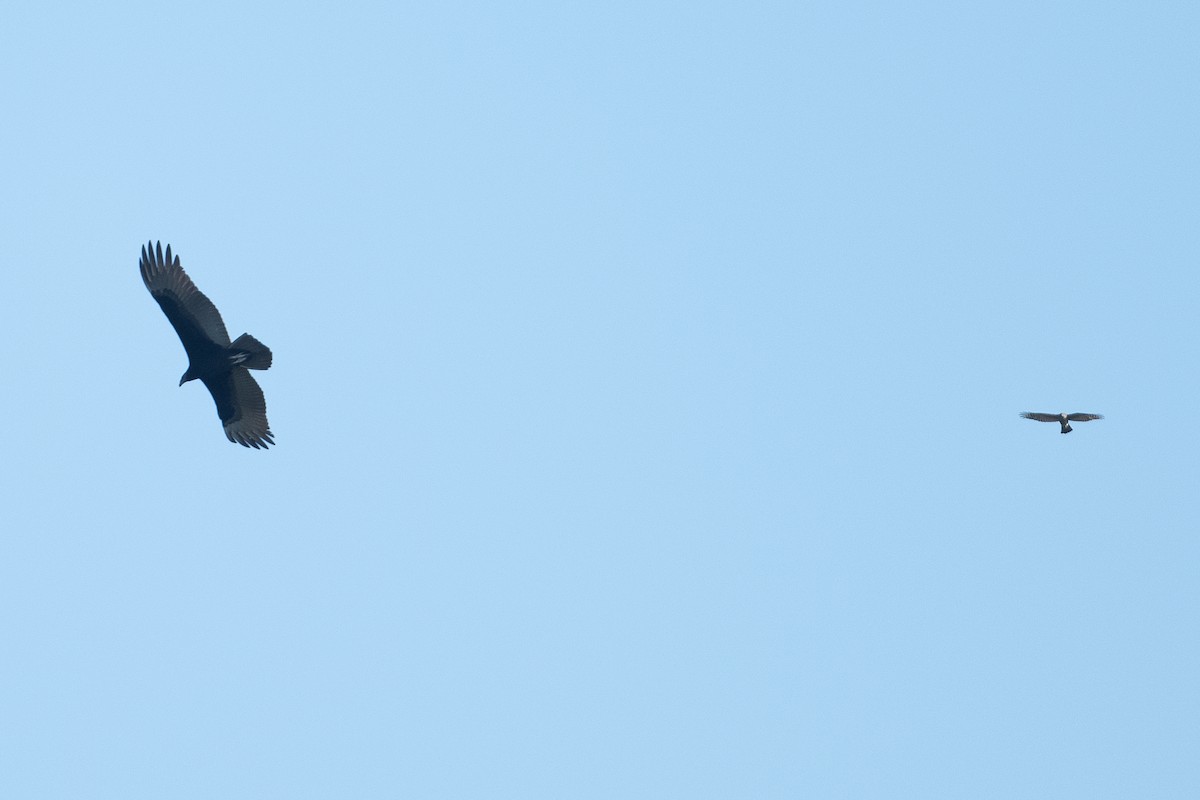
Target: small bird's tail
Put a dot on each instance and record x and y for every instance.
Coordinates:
(1066, 428)
(250, 352)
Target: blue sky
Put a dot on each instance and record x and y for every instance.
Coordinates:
(645, 389)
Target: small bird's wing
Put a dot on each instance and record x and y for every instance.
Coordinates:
(1081, 417)
(241, 407)
(1040, 417)
(193, 315)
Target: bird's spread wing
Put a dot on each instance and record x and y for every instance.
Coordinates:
(1040, 417)
(242, 408)
(1081, 417)
(193, 315)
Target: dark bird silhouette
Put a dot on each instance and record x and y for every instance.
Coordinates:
(1061, 419)
(222, 365)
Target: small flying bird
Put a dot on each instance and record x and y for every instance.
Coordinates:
(1061, 419)
(222, 365)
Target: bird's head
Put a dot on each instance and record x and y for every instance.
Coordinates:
(187, 376)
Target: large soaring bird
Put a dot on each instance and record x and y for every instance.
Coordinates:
(1062, 419)
(222, 365)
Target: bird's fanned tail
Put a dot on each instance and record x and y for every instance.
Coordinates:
(253, 353)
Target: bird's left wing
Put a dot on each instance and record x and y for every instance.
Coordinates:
(189, 310)
(1080, 417)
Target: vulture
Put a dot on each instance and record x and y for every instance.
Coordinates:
(1062, 419)
(222, 365)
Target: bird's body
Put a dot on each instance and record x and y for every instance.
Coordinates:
(1064, 420)
(220, 364)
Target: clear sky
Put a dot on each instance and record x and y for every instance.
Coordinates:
(646, 387)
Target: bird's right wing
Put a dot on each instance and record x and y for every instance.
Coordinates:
(242, 408)
(1040, 417)
(193, 315)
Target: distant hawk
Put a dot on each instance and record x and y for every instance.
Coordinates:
(1061, 419)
